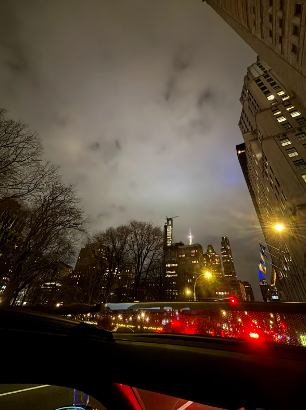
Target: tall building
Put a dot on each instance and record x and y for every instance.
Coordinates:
(171, 263)
(229, 269)
(242, 158)
(168, 231)
(183, 263)
(273, 125)
(212, 262)
(227, 259)
(248, 291)
(275, 30)
(191, 263)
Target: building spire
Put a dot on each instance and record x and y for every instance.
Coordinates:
(190, 237)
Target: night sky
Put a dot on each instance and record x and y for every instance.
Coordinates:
(138, 102)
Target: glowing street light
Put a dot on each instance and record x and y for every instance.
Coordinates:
(207, 275)
(279, 227)
(188, 292)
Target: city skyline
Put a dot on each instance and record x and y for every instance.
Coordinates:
(142, 114)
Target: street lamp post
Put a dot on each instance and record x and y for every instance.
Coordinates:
(208, 275)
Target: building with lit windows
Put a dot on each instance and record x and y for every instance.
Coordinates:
(212, 262)
(227, 259)
(171, 262)
(248, 291)
(273, 125)
(183, 264)
(229, 269)
(275, 30)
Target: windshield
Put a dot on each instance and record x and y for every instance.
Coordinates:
(213, 319)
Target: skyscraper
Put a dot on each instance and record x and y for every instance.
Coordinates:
(273, 125)
(227, 259)
(212, 262)
(229, 269)
(274, 29)
(248, 291)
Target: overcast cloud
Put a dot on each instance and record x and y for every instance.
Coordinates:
(138, 102)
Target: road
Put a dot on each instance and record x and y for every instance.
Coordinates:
(36, 397)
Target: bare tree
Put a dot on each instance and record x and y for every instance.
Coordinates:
(91, 275)
(50, 230)
(145, 249)
(23, 173)
(134, 249)
(114, 244)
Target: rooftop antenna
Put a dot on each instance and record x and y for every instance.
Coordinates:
(190, 237)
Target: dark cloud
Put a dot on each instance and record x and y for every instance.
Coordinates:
(106, 215)
(118, 145)
(196, 128)
(205, 97)
(170, 87)
(94, 146)
(119, 208)
(181, 60)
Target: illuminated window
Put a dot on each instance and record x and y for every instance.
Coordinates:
(292, 152)
(289, 107)
(281, 118)
(285, 97)
(281, 92)
(295, 113)
(277, 112)
(285, 141)
(271, 97)
(304, 177)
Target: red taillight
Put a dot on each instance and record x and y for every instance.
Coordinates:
(254, 335)
(233, 300)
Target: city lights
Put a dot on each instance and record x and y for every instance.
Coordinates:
(254, 335)
(208, 274)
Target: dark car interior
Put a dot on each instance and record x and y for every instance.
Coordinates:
(229, 374)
